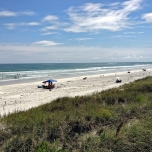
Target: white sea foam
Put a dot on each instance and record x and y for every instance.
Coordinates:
(65, 72)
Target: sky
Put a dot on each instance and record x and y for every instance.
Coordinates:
(66, 31)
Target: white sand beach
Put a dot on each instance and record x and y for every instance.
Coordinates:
(23, 96)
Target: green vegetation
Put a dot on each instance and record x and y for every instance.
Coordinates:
(115, 120)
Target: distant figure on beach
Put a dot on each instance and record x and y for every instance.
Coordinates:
(50, 86)
(144, 69)
(84, 78)
(17, 76)
(118, 80)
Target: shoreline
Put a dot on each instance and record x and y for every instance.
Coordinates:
(19, 78)
(26, 95)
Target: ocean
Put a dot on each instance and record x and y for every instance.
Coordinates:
(16, 73)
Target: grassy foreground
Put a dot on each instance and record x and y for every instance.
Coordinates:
(115, 120)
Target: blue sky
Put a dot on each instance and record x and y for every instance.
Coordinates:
(52, 31)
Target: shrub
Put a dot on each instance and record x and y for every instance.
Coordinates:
(102, 115)
(43, 147)
(19, 144)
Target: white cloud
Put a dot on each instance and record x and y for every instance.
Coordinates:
(123, 36)
(91, 8)
(46, 43)
(47, 28)
(12, 26)
(12, 14)
(48, 33)
(129, 32)
(114, 4)
(53, 23)
(29, 13)
(96, 17)
(140, 32)
(50, 18)
(134, 57)
(83, 39)
(133, 33)
(127, 57)
(31, 24)
(8, 13)
(147, 17)
(131, 5)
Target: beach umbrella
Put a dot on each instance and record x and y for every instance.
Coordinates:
(50, 80)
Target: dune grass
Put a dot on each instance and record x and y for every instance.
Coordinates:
(114, 120)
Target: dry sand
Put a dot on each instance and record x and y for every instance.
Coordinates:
(19, 97)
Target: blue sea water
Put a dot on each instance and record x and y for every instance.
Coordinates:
(39, 71)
